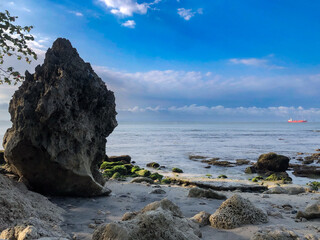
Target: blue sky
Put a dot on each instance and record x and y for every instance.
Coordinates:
(187, 59)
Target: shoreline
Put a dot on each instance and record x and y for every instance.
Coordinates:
(82, 214)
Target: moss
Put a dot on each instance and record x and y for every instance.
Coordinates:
(208, 175)
(116, 176)
(109, 165)
(128, 167)
(120, 169)
(279, 177)
(156, 176)
(108, 173)
(177, 170)
(222, 176)
(257, 178)
(135, 169)
(166, 181)
(143, 173)
(314, 185)
(153, 165)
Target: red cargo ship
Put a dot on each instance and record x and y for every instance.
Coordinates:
(296, 121)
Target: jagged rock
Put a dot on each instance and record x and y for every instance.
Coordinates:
(305, 171)
(202, 218)
(312, 211)
(203, 193)
(237, 211)
(26, 212)
(275, 234)
(272, 162)
(61, 117)
(161, 220)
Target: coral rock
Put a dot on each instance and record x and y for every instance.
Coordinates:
(159, 220)
(237, 211)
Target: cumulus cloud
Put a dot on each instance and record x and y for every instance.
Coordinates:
(187, 14)
(129, 24)
(256, 62)
(127, 7)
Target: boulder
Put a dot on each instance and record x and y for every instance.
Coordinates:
(202, 218)
(161, 220)
(272, 162)
(126, 159)
(61, 116)
(25, 212)
(235, 212)
(205, 193)
(311, 211)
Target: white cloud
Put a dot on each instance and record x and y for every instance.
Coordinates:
(129, 24)
(216, 112)
(127, 7)
(26, 9)
(78, 14)
(187, 14)
(256, 62)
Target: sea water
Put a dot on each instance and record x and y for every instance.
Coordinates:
(170, 144)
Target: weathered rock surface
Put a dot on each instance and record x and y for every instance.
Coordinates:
(272, 162)
(161, 220)
(286, 190)
(205, 193)
(25, 214)
(202, 218)
(237, 211)
(61, 117)
(312, 211)
(305, 171)
(275, 234)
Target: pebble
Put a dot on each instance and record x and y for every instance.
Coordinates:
(265, 196)
(294, 211)
(202, 203)
(156, 186)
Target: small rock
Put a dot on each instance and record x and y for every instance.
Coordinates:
(265, 196)
(311, 211)
(141, 179)
(158, 191)
(98, 221)
(202, 218)
(202, 193)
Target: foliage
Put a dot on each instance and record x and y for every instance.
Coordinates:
(13, 42)
(257, 178)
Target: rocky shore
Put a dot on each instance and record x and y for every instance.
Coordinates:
(61, 116)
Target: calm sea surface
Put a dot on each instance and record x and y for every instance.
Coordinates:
(170, 144)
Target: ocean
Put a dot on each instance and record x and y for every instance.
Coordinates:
(171, 143)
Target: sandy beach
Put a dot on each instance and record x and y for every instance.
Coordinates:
(84, 214)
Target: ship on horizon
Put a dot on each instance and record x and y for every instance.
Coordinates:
(296, 121)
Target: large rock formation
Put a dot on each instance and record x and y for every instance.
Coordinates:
(161, 220)
(61, 117)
